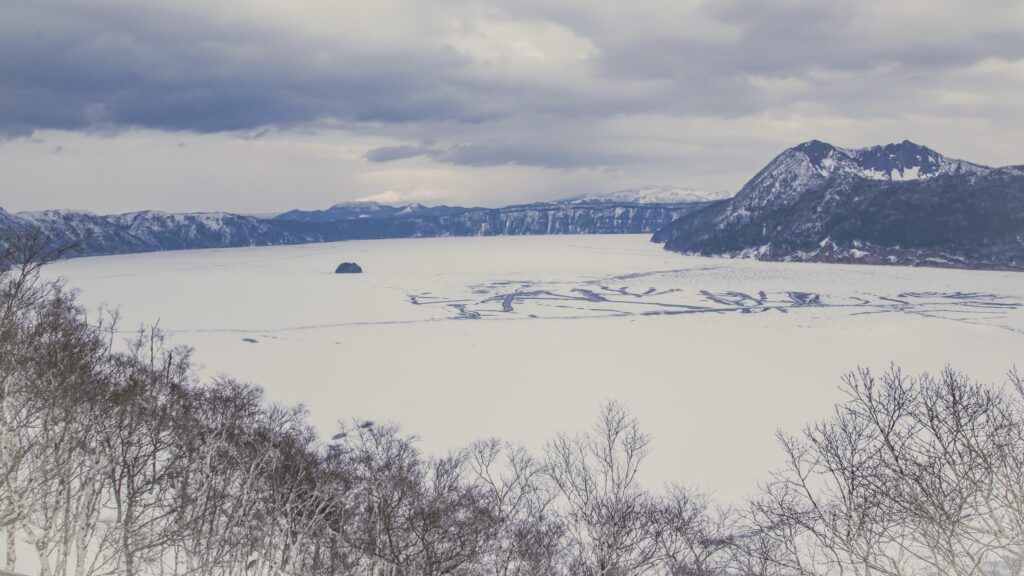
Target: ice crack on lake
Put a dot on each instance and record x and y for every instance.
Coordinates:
(604, 297)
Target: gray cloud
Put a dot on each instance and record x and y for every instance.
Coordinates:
(85, 66)
(557, 154)
(109, 65)
(663, 90)
(392, 153)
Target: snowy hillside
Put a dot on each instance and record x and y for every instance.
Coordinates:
(628, 212)
(895, 204)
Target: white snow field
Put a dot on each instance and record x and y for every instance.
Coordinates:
(523, 337)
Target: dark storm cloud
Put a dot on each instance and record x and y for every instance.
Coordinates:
(76, 67)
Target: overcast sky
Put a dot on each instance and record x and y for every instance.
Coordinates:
(264, 105)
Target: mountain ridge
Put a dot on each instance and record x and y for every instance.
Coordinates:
(894, 204)
(652, 195)
(148, 230)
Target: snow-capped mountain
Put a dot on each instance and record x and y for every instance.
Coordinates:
(651, 195)
(899, 204)
(903, 161)
(811, 164)
(150, 231)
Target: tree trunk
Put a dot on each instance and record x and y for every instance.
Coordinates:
(12, 548)
(44, 560)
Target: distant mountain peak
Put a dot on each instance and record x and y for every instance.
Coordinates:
(651, 195)
(815, 150)
(54, 213)
(808, 165)
(905, 160)
(412, 208)
(358, 204)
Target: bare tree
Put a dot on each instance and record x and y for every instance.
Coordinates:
(910, 476)
(293, 507)
(410, 515)
(696, 536)
(1001, 506)
(611, 523)
(64, 464)
(229, 453)
(142, 440)
(50, 364)
(527, 538)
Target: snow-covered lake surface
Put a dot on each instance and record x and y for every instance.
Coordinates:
(523, 337)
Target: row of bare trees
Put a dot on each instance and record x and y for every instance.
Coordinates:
(911, 475)
(116, 459)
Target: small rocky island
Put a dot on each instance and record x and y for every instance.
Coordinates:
(348, 268)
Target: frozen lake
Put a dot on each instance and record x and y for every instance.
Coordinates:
(522, 337)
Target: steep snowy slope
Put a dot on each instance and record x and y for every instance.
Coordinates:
(896, 204)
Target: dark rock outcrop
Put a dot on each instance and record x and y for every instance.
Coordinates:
(348, 268)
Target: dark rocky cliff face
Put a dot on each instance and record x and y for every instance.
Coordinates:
(900, 204)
